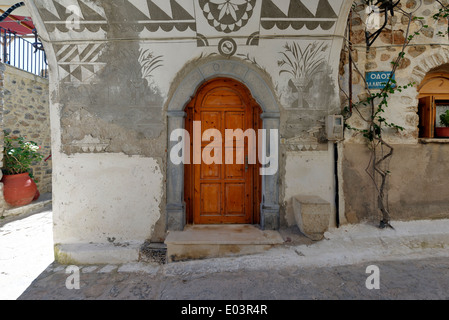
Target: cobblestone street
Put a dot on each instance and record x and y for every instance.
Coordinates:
(330, 269)
(410, 267)
(407, 279)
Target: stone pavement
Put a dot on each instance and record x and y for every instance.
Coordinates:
(26, 249)
(412, 260)
(424, 279)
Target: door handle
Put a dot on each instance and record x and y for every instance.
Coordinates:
(246, 163)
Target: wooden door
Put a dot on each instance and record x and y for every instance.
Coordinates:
(222, 193)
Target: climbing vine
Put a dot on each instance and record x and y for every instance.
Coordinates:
(443, 13)
(375, 123)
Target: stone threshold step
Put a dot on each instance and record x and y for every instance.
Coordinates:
(223, 234)
(211, 241)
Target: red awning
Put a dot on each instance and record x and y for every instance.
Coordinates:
(19, 24)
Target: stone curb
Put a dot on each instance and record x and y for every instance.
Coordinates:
(345, 246)
(43, 200)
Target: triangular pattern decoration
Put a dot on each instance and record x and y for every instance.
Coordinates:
(325, 10)
(79, 63)
(53, 11)
(179, 13)
(164, 6)
(161, 14)
(300, 14)
(157, 13)
(311, 5)
(167, 15)
(271, 10)
(298, 10)
(91, 16)
(138, 10)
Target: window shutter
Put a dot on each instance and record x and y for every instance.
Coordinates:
(427, 114)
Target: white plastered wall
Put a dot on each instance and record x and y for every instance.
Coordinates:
(310, 173)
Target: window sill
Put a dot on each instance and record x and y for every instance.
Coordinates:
(434, 140)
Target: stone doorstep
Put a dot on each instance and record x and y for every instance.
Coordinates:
(43, 200)
(208, 241)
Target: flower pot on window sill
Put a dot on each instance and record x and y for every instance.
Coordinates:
(442, 132)
(19, 189)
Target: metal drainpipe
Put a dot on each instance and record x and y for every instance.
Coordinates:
(337, 193)
(350, 61)
(337, 188)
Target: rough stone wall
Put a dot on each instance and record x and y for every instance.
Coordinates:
(427, 51)
(3, 204)
(26, 113)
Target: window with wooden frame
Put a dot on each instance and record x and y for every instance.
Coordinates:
(433, 101)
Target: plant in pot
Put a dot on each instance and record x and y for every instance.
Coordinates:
(444, 130)
(19, 155)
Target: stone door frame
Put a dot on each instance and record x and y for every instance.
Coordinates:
(263, 94)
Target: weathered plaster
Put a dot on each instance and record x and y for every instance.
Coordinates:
(417, 184)
(118, 79)
(309, 174)
(106, 198)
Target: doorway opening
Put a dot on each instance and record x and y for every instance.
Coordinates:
(226, 191)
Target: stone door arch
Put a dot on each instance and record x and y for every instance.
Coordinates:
(262, 93)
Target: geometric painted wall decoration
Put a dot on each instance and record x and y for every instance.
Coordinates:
(79, 63)
(91, 16)
(298, 14)
(236, 22)
(225, 16)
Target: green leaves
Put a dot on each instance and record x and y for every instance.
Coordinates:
(443, 13)
(444, 118)
(19, 155)
(379, 102)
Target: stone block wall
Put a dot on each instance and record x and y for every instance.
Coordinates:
(429, 49)
(26, 113)
(412, 160)
(2, 202)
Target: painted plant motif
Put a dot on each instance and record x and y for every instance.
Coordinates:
(149, 63)
(303, 65)
(227, 15)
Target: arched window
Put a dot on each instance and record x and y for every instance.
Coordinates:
(433, 101)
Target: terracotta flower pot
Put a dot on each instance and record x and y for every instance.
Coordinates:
(442, 132)
(37, 195)
(19, 189)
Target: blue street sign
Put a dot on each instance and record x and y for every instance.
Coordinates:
(378, 79)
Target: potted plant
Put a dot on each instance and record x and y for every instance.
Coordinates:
(19, 155)
(444, 130)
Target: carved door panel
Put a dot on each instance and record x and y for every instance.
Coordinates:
(225, 192)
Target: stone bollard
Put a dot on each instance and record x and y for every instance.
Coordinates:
(312, 215)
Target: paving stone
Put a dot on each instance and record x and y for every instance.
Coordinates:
(108, 269)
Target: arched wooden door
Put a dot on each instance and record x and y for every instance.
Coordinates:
(222, 193)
